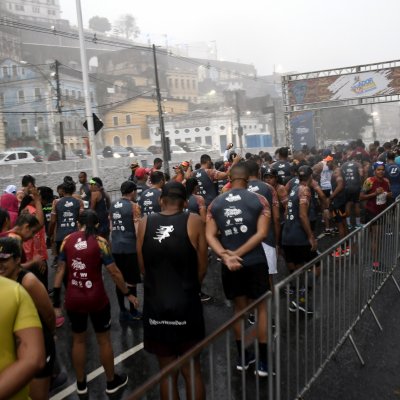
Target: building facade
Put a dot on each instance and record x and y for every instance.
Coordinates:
(34, 10)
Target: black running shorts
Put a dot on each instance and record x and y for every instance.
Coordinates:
(101, 320)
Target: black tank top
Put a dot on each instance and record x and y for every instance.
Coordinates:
(172, 310)
(102, 212)
(206, 186)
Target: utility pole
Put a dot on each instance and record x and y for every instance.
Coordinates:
(164, 143)
(59, 108)
(240, 128)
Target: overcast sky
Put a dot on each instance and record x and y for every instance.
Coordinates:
(293, 35)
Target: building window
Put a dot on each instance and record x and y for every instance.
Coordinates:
(22, 71)
(222, 127)
(170, 82)
(50, 2)
(115, 121)
(129, 140)
(197, 130)
(79, 94)
(197, 139)
(36, 10)
(177, 131)
(193, 84)
(187, 130)
(207, 128)
(51, 12)
(38, 96)
(24, 127)
(208, 140)
(188, 83)
(19, 7)
(91, 97)
(1, 99)
(21, 96)
(73, 93)
(117, 141)
(176, 83)
(66, 93)
(166, 133)
(182, 83)
(5, 72)
(10, 6)
(14, 70)
(128, 119)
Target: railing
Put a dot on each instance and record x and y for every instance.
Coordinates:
(314, 311)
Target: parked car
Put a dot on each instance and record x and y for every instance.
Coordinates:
(37, 153)
(177, 149)
(80, 153)
(155, 149)
(16, 157)
(116, 152)
(139, 151)
(191, 146)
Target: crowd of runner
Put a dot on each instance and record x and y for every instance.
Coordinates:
(161, 232)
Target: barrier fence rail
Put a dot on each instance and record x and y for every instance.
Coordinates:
(310, 315)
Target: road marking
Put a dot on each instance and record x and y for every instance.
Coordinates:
(94, 374)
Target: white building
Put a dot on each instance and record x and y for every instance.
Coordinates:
(214, 129)
(46, 11)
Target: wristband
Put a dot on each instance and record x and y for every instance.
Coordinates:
(128, 293)
(57, 297)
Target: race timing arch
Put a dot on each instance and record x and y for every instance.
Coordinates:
(306, 94)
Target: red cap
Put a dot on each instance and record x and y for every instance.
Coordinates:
(140, 173)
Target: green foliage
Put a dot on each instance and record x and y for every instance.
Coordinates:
(127, 25)
(99, 24)
(344, 122)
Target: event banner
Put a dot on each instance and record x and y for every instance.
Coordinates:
(344, 87)
(302, 130)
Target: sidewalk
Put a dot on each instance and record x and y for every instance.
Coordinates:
(345, 378)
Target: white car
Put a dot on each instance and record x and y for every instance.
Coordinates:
(16, 157)
(177, 149)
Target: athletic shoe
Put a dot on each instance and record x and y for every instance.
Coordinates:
(117, 383)
(300, 303)
(262, 369)
(328, 232)
(377, 267)
(339, 252)
(349, 227)
(204, 297)
(81, 387)
(249, 358)
(136, 315)
(60, 321)
(251, 319)
(358, 226)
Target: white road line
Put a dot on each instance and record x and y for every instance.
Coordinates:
(94, 374)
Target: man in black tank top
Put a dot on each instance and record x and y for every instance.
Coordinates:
(237, 223)
(149, 201)
(172, 255)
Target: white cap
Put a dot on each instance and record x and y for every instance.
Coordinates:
(12, 189)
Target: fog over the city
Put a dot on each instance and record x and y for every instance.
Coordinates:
(292, 35)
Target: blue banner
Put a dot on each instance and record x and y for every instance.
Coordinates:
(302, 130)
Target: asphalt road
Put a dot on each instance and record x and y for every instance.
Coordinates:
(343, 378)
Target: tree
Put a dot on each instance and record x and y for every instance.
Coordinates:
(100, 24)
(344, 122)
(127, 25)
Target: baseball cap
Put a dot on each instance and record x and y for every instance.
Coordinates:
(174, 190)
(12, 189)
(185, 163)
(326, 153)
(140, 173)
(329, 158)
(271, 172)
(9, 247)
(305, 171)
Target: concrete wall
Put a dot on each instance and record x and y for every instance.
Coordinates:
(113, 171)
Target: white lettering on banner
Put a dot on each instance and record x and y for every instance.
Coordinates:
(80, 244)
(118, 205)
(361, 85)
(232, 198)
(78, 265)
(232, 212)
(163, 232)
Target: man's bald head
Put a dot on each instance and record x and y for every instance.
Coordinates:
(239, 172)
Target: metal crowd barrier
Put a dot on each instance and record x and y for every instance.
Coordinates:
(333, 292)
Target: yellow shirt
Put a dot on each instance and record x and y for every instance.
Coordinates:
(17, 312)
